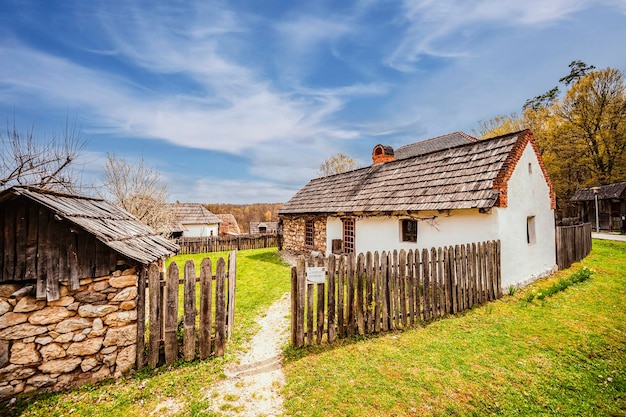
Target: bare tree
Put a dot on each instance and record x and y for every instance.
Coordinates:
(139, 190)
(336, 165)
(26, 159)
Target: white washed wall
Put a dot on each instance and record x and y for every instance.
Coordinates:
(200, 230)
(528, 195)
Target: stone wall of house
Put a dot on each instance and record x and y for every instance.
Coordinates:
(85, 336)
(294, 233)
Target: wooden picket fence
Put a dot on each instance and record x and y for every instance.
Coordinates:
(216, 312)
(573, 243)
(190, 245)
(373, 293)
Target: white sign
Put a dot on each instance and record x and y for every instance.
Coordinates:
(316, 275)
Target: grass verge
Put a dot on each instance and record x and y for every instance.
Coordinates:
(562, 355)
(262, 278)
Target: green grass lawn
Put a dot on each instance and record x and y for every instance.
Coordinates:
(262, 278)
(564, 355)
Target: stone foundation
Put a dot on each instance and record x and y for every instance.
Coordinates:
(294, 234)
(85, 336)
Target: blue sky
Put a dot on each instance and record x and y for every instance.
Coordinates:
(240, 101)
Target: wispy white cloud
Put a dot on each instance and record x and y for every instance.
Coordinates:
(443, 28)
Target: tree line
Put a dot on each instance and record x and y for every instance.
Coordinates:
(247, 213)
(581, 133)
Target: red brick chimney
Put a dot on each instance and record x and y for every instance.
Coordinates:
(382, 154)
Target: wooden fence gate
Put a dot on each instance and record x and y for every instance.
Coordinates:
(216, 313)
(573, 243)
(375, 293)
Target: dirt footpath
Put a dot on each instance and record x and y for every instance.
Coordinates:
(253, 383)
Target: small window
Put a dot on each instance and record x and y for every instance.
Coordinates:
(531, 236)
(409, 230)
(348, 236)
(530, 168)
(309, 231)
(262, 229)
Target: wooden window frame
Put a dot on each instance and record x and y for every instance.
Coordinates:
(349, 235)
(408, 230)
(309, 233)
(531, 231)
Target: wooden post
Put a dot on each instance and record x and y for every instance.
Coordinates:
(294, 304)
(320, 304)
(301, 293)
(427, 289)
(341, 288)
(410, 286)
(220, 307)
(360, 299)
(141, 317)
(232, 289)
(171, 314)
(433, 282)
(441, 284)
(155, 324)
(369, 289)
(206, 299)
(377, 293)
(189, 321)
(402, 287)
(350, 267)
(384, 280)
(417, 283)
(332, 323)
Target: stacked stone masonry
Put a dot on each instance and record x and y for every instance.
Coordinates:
(295, 231)
(85, 336)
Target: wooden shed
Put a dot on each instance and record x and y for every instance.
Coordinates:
(611, 206)
(71, 300)
(49, 236)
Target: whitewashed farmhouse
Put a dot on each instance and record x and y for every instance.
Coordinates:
(449, 190)
(193, 220)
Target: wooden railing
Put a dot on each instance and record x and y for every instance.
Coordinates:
(190, 245)
(573, 243)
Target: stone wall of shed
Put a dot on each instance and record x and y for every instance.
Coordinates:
(294, 234)
(85, 336)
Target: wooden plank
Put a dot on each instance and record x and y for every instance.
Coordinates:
(206, 301)
(72, 260)
(320, 312)
(331, 280)
(402, 287)
(377, 290)
(394, 312)
(479, 272)
(369, 289)
(42, 253)
(189, 320)
(232, 290)
(31, 243)
(220, 307)
(294, 304)
(341, 288)
(459, 279)
(410, 286)
(141, 317)
(441, 283)
(301, 294)
(351, 308)
(384, 281)
(360, 296)
(21, 231)
(310, 330)
(434, 280)
(417, 283)
(52, 265)
(170, 315)
(426, 283)
(155, 316)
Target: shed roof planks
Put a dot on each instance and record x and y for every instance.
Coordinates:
(114, 227)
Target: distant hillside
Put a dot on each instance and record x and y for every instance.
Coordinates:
(246, 213)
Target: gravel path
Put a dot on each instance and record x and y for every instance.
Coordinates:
(252, 385)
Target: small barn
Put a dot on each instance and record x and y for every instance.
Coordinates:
(193, 220)
(455, 190)
(610, 201)
(69, 270)
(257, 228)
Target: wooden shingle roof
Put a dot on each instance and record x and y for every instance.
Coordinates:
(439, 143)
(193, 213)
(605, 192)
(463, 177)
(111, 225)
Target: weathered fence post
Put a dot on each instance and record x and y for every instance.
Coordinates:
(206, 298)
(220, 307)
(155, 322)
(232, 288)
(189, 320)
(171, 314)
